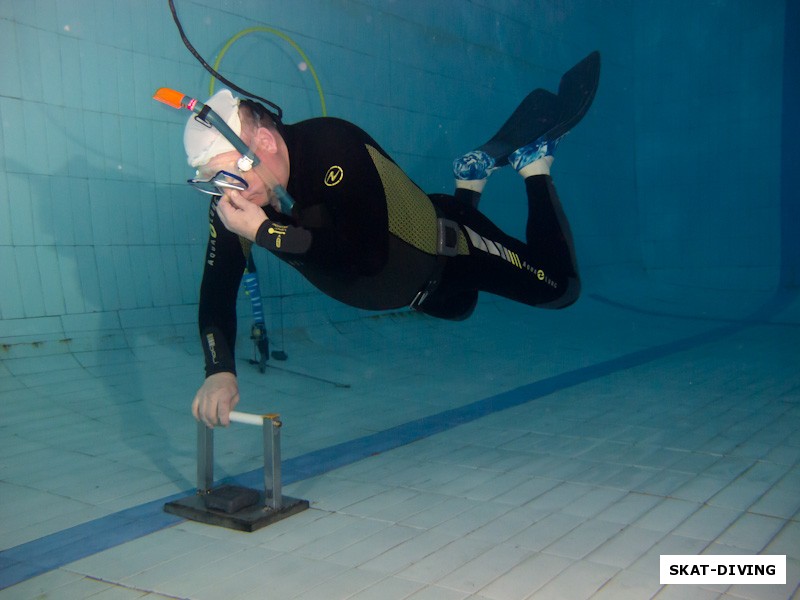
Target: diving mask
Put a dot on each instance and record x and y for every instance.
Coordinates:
(219, 183)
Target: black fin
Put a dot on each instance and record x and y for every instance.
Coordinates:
(576, 92)
(543, 113)
(536, 113)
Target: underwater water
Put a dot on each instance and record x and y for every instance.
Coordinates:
(522, 453)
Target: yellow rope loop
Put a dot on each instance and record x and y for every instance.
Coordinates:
(281, 35)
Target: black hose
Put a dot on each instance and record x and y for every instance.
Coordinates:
(277, 115)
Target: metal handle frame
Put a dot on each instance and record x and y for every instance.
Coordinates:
(271, 430)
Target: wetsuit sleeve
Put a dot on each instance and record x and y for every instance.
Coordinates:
(283, 238)
(318, 245)
(222, 274)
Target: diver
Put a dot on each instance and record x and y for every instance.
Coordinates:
(361, 231)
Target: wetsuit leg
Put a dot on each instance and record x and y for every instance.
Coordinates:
(549, 236)
(450, 302)
(469, 196)
(541, 272)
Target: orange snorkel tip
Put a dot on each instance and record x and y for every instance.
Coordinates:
(172, 98)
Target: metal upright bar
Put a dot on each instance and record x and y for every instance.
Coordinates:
(272, 462)
(205, 458)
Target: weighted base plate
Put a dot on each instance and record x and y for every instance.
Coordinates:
(247, 519)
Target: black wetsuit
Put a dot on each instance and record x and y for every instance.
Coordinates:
(363, 233)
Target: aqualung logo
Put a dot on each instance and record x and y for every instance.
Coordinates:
(334, 176)
(211, 253)
(212, 348)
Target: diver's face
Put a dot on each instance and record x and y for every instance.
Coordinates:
(256, 192)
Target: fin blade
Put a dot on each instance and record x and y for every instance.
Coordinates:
(536, 114)
(543, 113)
(577, 89)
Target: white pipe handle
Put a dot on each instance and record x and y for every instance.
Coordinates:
(247, 418)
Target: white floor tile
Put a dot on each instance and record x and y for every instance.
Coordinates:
(667, 515)
(526, 578)
(751, 532)
(584, 539)
(578, 581)
(546, 531)
(368, 548)
(390, 588)
(445, 560)
(628, 585)
(344, 585)
(626, 547)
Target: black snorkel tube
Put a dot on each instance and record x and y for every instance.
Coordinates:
(277, 115)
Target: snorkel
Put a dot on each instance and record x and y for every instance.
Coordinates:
(248, 159)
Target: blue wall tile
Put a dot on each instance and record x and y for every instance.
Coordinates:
(30, 63)
(15, 139)
(20, 210)
(11, 302)
(70, 283)
(51, 70)
(11, 81)
(119, 260)
(74, 131)
(50, 275)
(5, 212)
(107, 279)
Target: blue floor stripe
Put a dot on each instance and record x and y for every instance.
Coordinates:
(56, 550)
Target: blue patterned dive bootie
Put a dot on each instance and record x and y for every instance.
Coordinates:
(534, 151)
(473, 166)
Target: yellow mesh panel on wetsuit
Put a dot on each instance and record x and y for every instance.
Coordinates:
(412, 216)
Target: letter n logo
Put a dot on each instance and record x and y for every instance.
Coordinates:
(334, 176)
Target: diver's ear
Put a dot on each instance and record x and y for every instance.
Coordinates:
(266, 141)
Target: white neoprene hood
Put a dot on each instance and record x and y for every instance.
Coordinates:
(202, 143)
